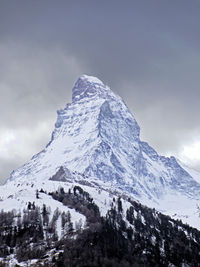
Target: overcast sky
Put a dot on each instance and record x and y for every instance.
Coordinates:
(146, 51)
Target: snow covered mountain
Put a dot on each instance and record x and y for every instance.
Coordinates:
(97, 141)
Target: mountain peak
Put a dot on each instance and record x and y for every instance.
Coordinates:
(90, 80)
(88, 86)
(98, 136)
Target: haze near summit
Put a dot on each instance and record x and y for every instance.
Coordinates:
(146, 51)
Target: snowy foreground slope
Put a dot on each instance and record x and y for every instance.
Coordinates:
(97, 142)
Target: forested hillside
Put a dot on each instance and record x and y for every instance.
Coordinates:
(133, 236)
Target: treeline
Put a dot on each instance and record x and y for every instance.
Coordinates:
(79, 200)
(31, 234)
(143, 238)
(174, 241)
(18, 231)
(137, 236)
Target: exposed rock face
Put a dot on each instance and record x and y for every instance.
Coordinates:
(62, 175)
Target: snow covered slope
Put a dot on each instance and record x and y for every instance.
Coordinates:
(98, 136)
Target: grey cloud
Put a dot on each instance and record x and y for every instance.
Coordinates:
(34, 81)
(147, 51)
